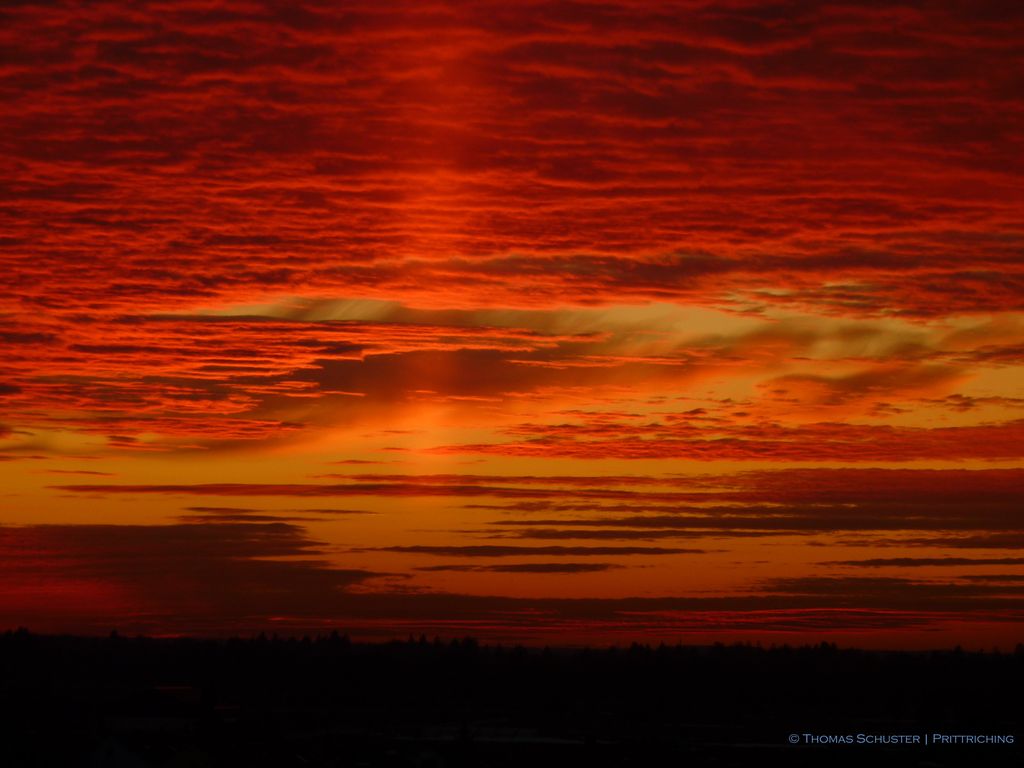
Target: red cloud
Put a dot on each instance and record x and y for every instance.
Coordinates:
(860, 160)
(233, 224)
(771, 442)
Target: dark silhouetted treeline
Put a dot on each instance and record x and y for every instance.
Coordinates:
(116, 701)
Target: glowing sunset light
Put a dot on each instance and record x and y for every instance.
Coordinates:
(537, 321)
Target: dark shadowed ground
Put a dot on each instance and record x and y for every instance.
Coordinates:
(69, 701)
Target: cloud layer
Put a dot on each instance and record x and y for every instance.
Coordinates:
(691, 317)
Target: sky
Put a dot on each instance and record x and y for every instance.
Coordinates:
(543, 322)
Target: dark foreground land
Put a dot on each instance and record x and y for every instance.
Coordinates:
(69, 701)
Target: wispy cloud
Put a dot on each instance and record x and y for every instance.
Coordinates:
(290, 263)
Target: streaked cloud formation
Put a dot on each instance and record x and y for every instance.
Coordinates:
(697, 319)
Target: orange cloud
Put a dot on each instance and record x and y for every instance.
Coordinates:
(242, 243)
